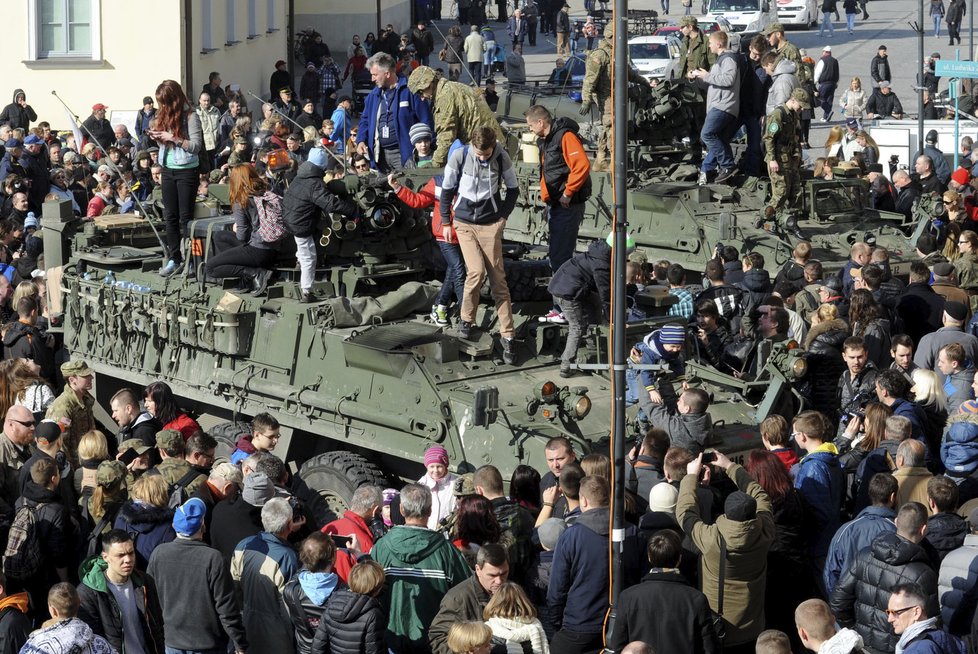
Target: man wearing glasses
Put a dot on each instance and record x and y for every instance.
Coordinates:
(15, 452)
(73, 408)
(860, 600)
(907, 612)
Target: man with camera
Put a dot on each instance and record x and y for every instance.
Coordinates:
(857, 387)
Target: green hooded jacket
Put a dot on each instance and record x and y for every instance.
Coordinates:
(100, 611)
(421, 566)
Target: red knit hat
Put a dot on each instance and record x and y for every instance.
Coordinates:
(961, 176)
(436, 454)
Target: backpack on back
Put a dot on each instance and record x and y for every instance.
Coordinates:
(178, 490)
(22, 556)
(271, 223)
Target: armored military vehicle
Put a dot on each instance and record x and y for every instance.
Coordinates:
(361, 381)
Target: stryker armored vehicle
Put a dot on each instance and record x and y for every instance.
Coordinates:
(361, 381)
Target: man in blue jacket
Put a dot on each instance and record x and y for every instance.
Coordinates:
(578, 588)
(820, 481)
(859, 532)
(389, 112)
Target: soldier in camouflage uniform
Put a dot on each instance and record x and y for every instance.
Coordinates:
(782, 153)
(597, 90)
(785, 48)
(457, 109)
(73, 408)
(695, 54)
(174, 468)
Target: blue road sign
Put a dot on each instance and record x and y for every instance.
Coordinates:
(951, 68)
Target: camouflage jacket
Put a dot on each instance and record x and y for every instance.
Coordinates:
(967, 268)
(173, 470)
(12, 459)
(79, 413)
(458, 109)
(695, 54)
(597, 74)
(789, 50)
(781, 141)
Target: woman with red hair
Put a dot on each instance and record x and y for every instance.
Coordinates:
(786, 558)
(181, 139)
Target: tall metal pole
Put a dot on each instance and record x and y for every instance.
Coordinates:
(971, 31)
(920, 78)
(618, 319)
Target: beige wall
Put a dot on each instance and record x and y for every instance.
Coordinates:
(339, 20)
(136, 57)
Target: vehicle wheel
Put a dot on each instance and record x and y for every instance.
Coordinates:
(335, 475)
(227, 434)
(521, 277)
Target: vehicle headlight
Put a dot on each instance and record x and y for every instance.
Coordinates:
(578, 406)
(799, 367)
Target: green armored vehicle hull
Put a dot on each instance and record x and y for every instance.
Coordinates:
(361, 380)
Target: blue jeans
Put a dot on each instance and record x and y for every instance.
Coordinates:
(563, 225)
(750, 164)
(826, 23)
(716, 133)
(454, 283)
(665, 6)
(850, 22)
(689, 10)
(937, 24)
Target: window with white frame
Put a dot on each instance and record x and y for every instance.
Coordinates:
(229, 19)
(252, 18)
(206, 27)
(64, 29)
(271, 15)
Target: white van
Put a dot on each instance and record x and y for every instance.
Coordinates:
(655, 57)
(798, 13)
(747, 17)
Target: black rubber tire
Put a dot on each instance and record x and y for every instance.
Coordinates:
(336, 475)
(522, 278)
(227, 434)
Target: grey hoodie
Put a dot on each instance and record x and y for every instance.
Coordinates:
(783, 82)
(723, 84)
(473, 188)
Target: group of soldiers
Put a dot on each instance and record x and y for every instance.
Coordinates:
(781, 143)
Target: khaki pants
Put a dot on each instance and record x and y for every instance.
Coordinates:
(482, 249)
(563, 44)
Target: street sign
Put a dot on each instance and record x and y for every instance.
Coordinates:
(951, 68)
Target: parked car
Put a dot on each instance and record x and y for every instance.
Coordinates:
(655, 57)
(708, 25)
(798, 13)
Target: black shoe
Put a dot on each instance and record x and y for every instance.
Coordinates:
(567, 373)
(464, 329)
(509, 350)
(260, 282)
(724, 174)
(791, 225)
(308, 298)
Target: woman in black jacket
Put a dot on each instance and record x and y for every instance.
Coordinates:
(786, 558)
(354, 621)
(824, 345)
(867, 322)
(252, 260)
(306, 594)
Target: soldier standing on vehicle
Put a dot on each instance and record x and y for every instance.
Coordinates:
(457, 109)
(785, 48)
(597, 90)
(782, 153)
(695, 53)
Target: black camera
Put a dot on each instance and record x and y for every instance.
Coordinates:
(297, 508)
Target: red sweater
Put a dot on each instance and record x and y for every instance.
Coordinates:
(350, 523)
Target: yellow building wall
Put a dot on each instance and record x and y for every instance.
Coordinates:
(339, 20)
(143, 43)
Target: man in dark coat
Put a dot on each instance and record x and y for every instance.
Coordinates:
(467, 600)
(281, 78)
(860, 599)
(921, 310)
(97, 127)
(24, 340)
(664, 591)
(826, 81)
(18, 113)
(239, 518)
(879, 68)
(113, 593)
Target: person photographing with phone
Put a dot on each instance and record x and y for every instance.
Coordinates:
(181, 139)
(357, 530)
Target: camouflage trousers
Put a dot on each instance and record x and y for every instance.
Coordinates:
(786, 189)
(604, 158)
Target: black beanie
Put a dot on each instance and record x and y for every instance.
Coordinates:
(740, 507)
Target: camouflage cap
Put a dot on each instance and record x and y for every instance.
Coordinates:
(110, 473)
(801, 96)
(168, 439)
(134, 444)
(421, 79)
(76, 368)
(772, 28)
(688, 21)
(609, 30)
(464, 485)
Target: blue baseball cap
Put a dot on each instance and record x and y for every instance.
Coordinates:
(33, 139)
(12, 143)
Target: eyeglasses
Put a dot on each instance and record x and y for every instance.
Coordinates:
(23, 423)
(361, 167)
(895, 612)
